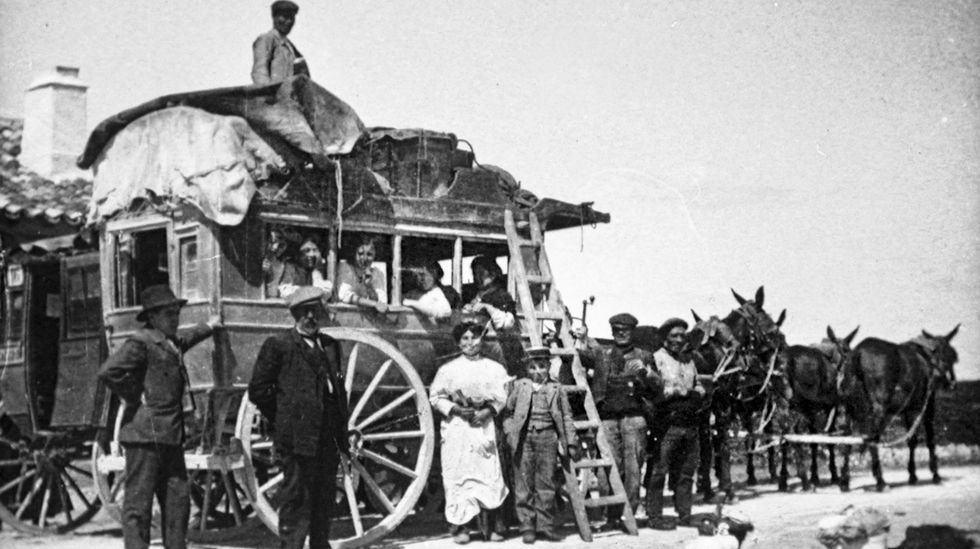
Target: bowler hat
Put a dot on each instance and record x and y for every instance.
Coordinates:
(623, 319)
(536, 352)
(672, 323)
(157, 297)
(284, 7)
(305, 295)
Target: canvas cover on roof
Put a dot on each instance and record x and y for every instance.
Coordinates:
(210, 147)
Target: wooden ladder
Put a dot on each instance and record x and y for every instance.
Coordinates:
(538, 300)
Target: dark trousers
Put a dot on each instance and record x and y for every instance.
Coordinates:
(678, 456)
(706, 445)
(308, 491)
(534, 480)
(155, 469)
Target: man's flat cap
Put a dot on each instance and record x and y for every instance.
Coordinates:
(672, 323)
(284, 7)
(623, 319)
(536, 352)
(305, 295)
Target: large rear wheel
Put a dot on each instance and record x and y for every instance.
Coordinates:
(392, 439)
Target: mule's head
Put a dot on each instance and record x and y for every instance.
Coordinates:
(943, 357)
(754, 327)
(841, 347)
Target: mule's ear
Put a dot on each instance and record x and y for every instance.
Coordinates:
(740, 299)
(950, 335)
(850, 336)
(696, 317)
(831, 335)
(928, 335)
(781, 319)
(760, 297)
(705, 338)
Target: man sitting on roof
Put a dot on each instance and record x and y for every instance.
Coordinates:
(275, 58)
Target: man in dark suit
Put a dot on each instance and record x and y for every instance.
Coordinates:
(148, 374)
(274, 57)
(296, 384)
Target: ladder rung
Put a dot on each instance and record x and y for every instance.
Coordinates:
(563, 351)
(574, 389)
(584, 424)
(592, 463)
(544, 315)
(539, 279)
(603, 501)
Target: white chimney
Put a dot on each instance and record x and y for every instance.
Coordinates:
(54, 123)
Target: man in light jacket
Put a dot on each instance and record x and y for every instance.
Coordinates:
(275, 58)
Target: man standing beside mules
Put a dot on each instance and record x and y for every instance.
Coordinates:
(623, 379)
(148, 374)
(297, 386)
(677, 409)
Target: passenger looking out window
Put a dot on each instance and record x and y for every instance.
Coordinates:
(428, 296)
(359, 282)
(488, 295)
(278, 268)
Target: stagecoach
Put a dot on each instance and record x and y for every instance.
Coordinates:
(187, 189)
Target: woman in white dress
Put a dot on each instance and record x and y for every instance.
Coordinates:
(469, 392)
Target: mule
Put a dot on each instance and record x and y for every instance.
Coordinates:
(751, 337)
(812, 372)
(883, 380)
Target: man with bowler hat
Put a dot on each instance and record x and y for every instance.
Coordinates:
(296, 384)
(623, 383)
(149, 376)
(274, 56)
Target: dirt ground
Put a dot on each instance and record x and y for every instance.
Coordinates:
(925, 513)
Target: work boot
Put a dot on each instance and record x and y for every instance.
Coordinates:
(528, 537)
(662, 523)
(550, 535)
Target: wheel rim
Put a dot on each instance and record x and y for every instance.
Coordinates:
(44, 485)
(219, 503)
(391, 447)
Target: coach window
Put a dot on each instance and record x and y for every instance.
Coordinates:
(141, 261)
(84, 300)
(287, 260)
(472, 249)
(191, 287)
(385, 249)
(417, 252)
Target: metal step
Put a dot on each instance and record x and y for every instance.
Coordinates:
(604, 501)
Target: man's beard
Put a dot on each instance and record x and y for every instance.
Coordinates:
(310, 263)
(539, 377)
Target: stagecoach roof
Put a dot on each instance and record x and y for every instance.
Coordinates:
(286, 145)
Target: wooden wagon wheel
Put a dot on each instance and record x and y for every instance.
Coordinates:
(44, 485)
(391, 444)
(219, 504)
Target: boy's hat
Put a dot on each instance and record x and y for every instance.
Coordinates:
(284, 7)
(623, 319)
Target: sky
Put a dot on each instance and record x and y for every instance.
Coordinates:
(827, 150)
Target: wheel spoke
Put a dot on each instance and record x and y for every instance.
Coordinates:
(231, 498)
(38, 481)
(263, 445)
(77, 489)
(351, 365)
(9, 462)
(375, 381)
(393, 435)
(79, 470)
(17, 481)
(373, 486)
(355, 512)
(206, 508)
(271, 483)
(42, 518)
(66, 499)
(387, 408)
(378, 458)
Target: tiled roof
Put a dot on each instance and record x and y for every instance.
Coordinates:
(26, 195)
